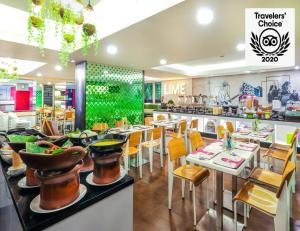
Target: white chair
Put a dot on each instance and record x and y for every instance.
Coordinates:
(155, 141)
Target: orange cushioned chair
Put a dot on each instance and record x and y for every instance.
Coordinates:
(194, 174)
(270, 203)
(220, 133)
(196, 141)
(229, 126)
(148, 121)
(133, 147)
(161, 117)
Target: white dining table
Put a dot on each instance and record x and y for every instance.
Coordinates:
(127, 132)
(256, 137)
(215, 217)
(164, 124)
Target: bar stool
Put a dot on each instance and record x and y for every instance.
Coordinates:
(155, 141)
(194, 174)
(266, 201)
(131, 148)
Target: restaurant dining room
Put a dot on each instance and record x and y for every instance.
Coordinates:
(149, 115)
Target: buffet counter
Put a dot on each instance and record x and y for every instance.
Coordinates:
(99, 209)
(207, 123)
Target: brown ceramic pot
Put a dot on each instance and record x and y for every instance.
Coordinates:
(31, 179)
(106, 168)
(87, 165)
(60, 189)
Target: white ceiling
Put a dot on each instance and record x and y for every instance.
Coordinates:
(171, 32)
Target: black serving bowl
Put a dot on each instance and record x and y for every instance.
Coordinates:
(83, 141)
(108, 148)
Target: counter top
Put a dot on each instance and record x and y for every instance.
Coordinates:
(225, 116)
(32, 221)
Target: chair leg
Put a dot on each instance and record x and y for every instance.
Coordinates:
(245, 214)
(140, 158)
(207, 193)
(182, 187)
(235, 215)
(191, 186)
(170, 189)
(151, 158)
(161, 156)
(126, 163)
(194, 205)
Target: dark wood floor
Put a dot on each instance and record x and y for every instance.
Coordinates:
(151, 211)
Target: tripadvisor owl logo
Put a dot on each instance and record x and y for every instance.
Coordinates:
(270, 37)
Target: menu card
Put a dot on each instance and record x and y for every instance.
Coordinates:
(246, 146)
(229, 160)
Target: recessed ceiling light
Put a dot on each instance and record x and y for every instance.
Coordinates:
(72, 61)
(247, 72)
(163, 61)
(49, 83)
(297, 67)
(58, 68)
(39, 74)
(240, 47)
(111, 49)
(205, 16)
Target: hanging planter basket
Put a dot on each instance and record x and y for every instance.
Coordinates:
(79, 20)
(69, 38)
(38, 2)
(36, 21)
(88, 29)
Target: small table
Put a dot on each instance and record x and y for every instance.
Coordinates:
(257, 137)
(216, 217)
(164, 124)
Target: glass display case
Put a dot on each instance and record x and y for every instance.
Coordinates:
(292, 111)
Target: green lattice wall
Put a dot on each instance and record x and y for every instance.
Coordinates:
(39, 98)
(113, 93)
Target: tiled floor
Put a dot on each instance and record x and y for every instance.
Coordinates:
(151, 211)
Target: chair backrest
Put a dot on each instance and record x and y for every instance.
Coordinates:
(287, 159)
(182, 126)
(196, 140)
(148, 121)
(176, 148)
(100, 127)
(156, 133)
(294, 138)
(194, 124)
(135, 139)
(69, 115)
(50, 128)
(161, 117)
(220, 129)
(119, 123)
(229, 126)
(288, 172)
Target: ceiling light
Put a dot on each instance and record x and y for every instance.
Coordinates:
(49, 83)
(58, 68)
(111, 49)
(39, 74)
(240, 47)
(297, 67)
(72, 61)
(205, 16)
(163, 61)
(247, 72)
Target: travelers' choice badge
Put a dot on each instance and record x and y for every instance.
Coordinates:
(270, 37)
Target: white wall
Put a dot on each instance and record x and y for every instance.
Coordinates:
(173, 88)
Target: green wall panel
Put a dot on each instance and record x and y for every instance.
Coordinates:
(39, 98)
(113, 93)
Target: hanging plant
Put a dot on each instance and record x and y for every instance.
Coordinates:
(36, 23)
(89, 37)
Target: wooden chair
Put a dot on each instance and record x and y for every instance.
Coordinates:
(220, 133)
(180, 132)
(161, 117)
(155, 141)
(194, 174)
(50, 129)
(196, 141)
(69, 119)
(120, 123)
(230, 126)
(269, 178)
(194, 125)
(148, 121)
(266, 201)
(131, 148)
(100, 127)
